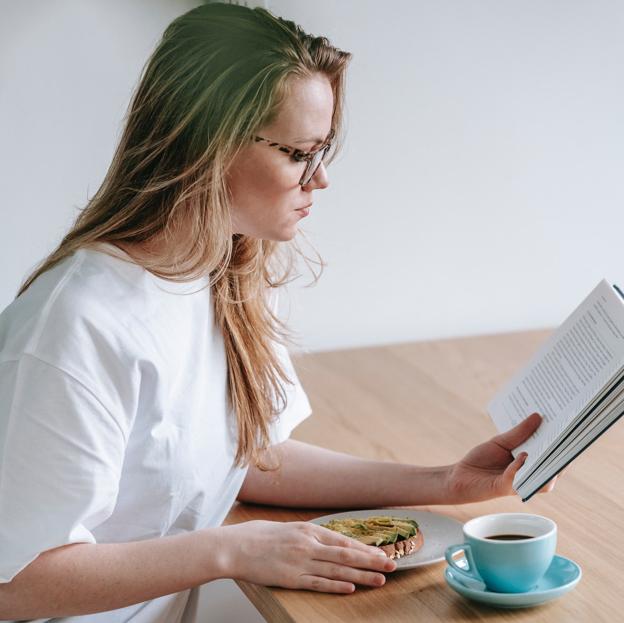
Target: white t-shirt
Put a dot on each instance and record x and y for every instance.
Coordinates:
(114, 419)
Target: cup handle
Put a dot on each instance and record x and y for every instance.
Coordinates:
(471, 574)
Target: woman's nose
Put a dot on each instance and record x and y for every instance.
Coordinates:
(319, 179)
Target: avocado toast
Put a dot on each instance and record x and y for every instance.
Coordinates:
(394, 535)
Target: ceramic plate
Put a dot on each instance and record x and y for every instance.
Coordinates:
(562, 576)
(439, 531)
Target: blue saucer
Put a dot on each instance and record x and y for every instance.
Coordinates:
(562, 576)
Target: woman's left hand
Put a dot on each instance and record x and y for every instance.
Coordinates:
(488, 470)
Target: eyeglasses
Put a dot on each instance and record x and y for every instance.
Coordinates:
(312, 158)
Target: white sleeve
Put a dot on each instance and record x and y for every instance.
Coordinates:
(297, 405)
(61, 454)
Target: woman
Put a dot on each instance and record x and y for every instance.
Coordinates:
(144, 382)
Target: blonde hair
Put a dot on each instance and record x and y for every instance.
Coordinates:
(218, 75)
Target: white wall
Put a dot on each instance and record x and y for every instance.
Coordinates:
(67, 70)
(479, 189)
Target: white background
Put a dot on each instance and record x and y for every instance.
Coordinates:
(479, 190)
(480, 187)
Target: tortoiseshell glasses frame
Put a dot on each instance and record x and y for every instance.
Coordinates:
(312, 158)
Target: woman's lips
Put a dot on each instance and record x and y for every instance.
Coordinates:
(305, 210)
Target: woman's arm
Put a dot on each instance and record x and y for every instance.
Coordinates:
(83, 578)
(310, 476)
(314, 477)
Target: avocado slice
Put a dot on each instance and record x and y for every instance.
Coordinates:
(375, 530)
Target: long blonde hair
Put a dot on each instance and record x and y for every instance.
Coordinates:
(218, 75)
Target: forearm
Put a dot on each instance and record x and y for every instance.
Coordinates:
(310, 476)
(84, 578)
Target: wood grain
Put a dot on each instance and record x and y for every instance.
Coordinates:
(424, 403)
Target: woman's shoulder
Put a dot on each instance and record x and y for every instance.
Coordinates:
(83, 300)
(95, 306)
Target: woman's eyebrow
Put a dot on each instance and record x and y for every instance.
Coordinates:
(315, 141)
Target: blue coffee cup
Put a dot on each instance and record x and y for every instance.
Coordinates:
(508, 552)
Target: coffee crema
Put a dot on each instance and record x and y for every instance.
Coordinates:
(508, 537)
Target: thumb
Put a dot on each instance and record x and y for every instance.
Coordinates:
(512, 469)
(520, 433)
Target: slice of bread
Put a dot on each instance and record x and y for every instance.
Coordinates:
(395, 536)
(403, 547)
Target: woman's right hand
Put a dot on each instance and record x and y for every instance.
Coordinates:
(301, 555)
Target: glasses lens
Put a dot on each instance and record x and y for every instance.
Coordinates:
(313, 166)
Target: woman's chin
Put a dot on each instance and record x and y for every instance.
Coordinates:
(281, 235)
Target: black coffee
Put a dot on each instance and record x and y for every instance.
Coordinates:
(508, 537)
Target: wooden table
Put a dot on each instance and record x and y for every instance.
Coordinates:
(424, 403)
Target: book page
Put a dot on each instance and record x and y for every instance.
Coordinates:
(566, 374)
(585, 438)
(593, 413)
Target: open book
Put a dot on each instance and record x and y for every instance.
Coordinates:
(575, 381)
